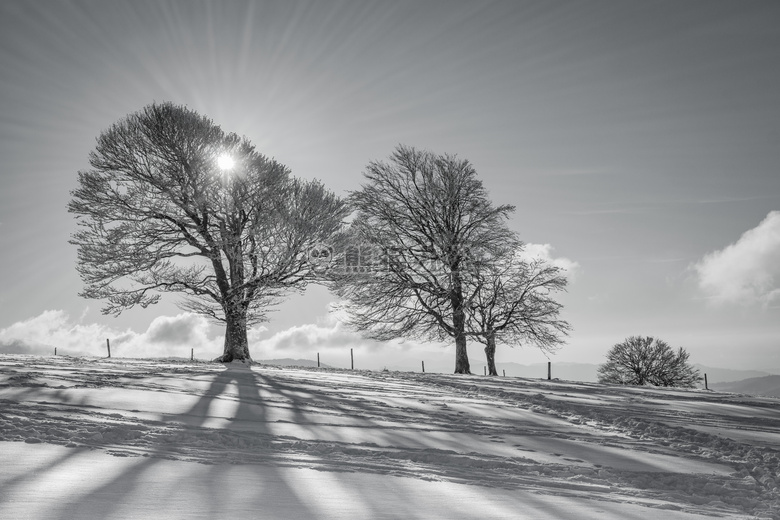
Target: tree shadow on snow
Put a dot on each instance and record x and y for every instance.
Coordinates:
(212, 485)
(238, 445)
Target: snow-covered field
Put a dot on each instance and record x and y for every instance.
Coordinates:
(119, 438)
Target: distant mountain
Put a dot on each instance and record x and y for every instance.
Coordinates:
(587, 372)
(723, 375)
(767, 386)
(289, 362)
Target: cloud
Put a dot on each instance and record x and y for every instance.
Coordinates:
(746, 272)
(19, 347)
(308, 339)
(50, 329)
(544, 252)
(332, 340)
(181, 329)
(165, 336)
(174, 336)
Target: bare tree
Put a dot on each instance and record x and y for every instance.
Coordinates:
(647, 361)
(511, 299)
(174, 204)
(429, 215)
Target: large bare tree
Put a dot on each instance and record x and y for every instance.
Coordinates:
(512, 299)
(172, 203)
(429, 216)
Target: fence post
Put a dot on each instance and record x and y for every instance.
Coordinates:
(423, 366)
(504, 371)
(55, 351)
(549, 370)
(108, 346)
(706, 387)
(352, 359)
(485, 369)
(192, 354)
(318, 360)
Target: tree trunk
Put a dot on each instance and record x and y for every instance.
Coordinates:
(461, 355)
(236, 343)
(490, 352)
(459, 324)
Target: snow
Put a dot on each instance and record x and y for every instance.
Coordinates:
(110, 438)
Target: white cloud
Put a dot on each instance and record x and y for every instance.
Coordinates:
(746, 272)
(181, 329)
(50, 329)
(175, 335)
(304, 341)
(165, 336)
(332, 340)
(544, 252)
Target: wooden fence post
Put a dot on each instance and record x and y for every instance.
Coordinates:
(549, 370)
(108, 346)
(504, 371)
(706, 387)
(192, 354)
(318, 360)
(423, 366)
(352, 359)
(55, 351)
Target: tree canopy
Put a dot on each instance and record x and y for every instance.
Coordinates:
(430, 217)
(157, 214)
(511, 299)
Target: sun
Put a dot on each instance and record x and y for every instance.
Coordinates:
(225, 162)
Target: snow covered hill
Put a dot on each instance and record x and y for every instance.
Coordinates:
(98, 438)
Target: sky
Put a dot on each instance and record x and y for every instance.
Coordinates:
(639, 142)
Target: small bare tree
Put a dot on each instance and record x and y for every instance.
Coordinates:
(174, 204)
(428, 214)
(511, 299)
(647, 361)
